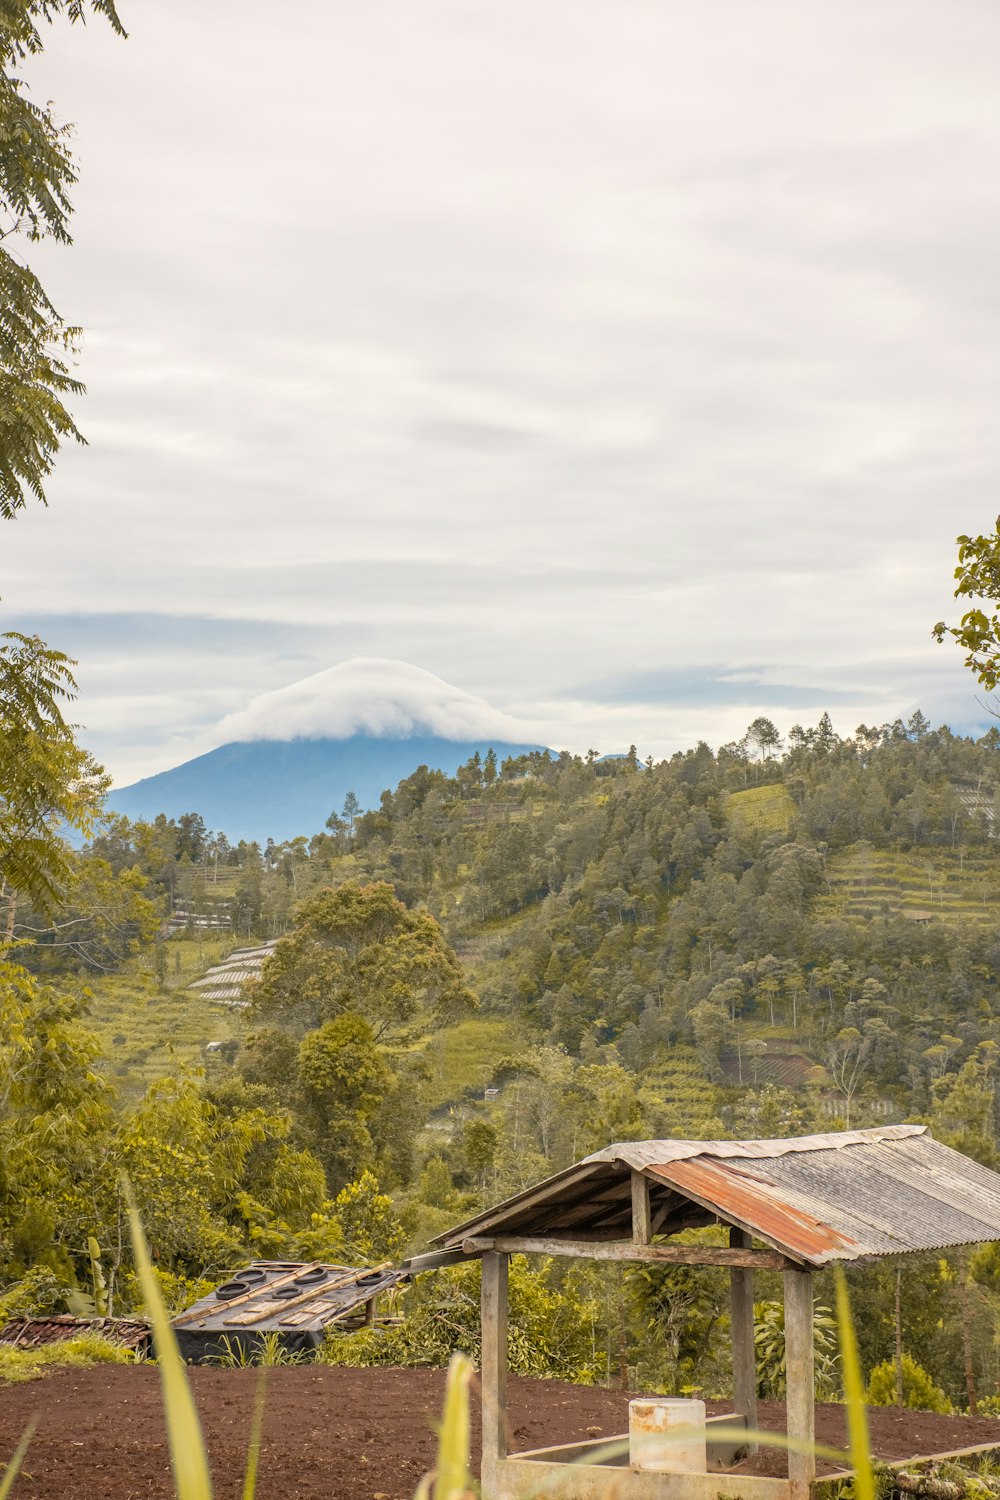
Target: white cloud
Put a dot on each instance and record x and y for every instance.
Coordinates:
(369, 695)
(531, 343)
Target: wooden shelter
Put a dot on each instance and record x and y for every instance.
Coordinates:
(792, 1206)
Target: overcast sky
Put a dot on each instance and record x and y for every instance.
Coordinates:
(629, 364)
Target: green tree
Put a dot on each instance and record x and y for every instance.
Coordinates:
(56, 1126)
(350, 812)
(370, 1229)
(36, 175)
(358, 949)
(344, 1081)
(978, 632)
(47, 782)
(962, 1112)
(763, 735)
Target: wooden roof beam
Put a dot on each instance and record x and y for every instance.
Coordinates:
(677, 1255)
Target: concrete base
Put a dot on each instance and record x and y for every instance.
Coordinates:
(542, 1476)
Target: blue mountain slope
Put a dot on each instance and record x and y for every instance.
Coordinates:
(260, 789)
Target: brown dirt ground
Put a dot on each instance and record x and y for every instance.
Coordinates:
(334, 1434)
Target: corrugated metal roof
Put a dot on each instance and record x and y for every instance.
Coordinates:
(848, 1196)
(646, 1153)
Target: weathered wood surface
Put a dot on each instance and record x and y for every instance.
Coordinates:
(641, 1227)
(800, 1403)
(677, 1255)
(744, 1348)
(493, 1309)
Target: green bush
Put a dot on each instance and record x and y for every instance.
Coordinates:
(919, 1390)
(18, 1365)
(551, 1334)
(38, 1293)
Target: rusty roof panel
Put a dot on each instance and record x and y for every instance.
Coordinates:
(849, 1195)
(749, 1200)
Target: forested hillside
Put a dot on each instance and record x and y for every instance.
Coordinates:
(497, 972)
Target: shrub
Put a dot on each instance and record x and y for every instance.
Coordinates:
(919, 1390)
(551, 1334)
(38, 1293)
(18, 1365)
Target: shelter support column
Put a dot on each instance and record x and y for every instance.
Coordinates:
(494, 1372)
(799, 1378)
(741, 1321)
(642, 1229)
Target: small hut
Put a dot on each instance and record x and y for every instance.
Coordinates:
(792, 1206)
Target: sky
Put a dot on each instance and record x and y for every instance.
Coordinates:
(630, 365)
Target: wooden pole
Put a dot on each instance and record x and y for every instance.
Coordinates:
(744, 1353)
(494, 1372)
(641, 1227)
(799, 1377)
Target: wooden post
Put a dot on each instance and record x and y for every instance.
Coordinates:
(641, 1228)
(799, 1382)
(494, 1373)
(744, 1353)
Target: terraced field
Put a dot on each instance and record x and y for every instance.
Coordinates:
(679, 1081)
(147, 1031)
(931, 884)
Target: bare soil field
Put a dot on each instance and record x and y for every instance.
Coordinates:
(337, 1434)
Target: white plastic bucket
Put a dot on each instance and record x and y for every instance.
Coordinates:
(667, 1434)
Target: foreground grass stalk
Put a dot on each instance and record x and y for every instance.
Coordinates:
(854, 1396)
(188, 1459)
(253, 1448)
(451, 1479)
(10, 1473)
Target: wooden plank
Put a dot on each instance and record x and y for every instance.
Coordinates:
(677, 1255)
(433, 1260)
(799, 1377)
(493, 1309)
(641, 1228)
(744, 1351)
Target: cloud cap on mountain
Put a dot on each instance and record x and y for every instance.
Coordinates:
(368, 695)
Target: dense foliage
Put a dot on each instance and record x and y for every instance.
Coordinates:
(759, 941)
(36, 175)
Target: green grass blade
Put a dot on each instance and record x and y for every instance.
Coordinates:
(253, 1447)
(854, 1395)
(188, 1459)
(452, 1480)
(11, 1471)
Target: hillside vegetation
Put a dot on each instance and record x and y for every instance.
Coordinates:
(495, 973)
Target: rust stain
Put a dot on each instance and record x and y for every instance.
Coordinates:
(757, 1204)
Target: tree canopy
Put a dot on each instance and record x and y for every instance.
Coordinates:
(978, 631)
(36, 173)
(47, 782)
(358, 950)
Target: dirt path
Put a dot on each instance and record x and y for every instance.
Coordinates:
(331, 1434)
